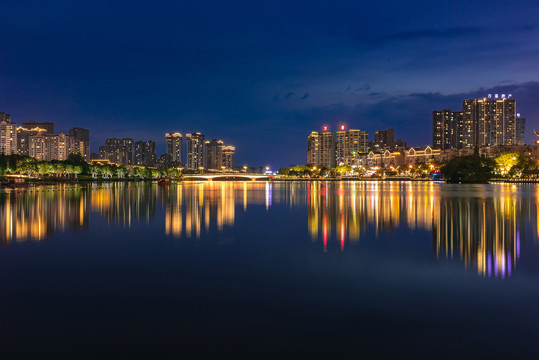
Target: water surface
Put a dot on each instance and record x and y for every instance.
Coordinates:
(262, 268)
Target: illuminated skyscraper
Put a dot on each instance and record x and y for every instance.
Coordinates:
(66, 145)
(23, 139)
(385, 139)
(321, 148)
(43, 147)
(489, 121)
(119, 151)
(195, 151)
(145, 153)
(228, 157)
(174, 148)
(8, 135)
(348, 144)
(214, 154)
(447, 128)
(520, 129)
(82, 138)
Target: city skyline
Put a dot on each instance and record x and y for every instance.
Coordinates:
(194, 66)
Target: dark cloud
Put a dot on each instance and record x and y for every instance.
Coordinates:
(305, 96)
(288, 95)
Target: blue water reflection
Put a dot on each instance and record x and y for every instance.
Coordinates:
(273, 264)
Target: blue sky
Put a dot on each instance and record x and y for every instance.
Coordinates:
(262, 75)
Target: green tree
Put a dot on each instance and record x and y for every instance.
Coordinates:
(172, 172)
(3, 164)
(27, 166)
(156, 173)
(77, 169)
(121, 171)
(512, 164)
(95, 170)
(342, 169)
(468, 169)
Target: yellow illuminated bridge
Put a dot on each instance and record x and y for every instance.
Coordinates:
(224, 176)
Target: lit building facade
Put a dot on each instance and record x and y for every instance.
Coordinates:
(23, 139)
(385, 138)
(520, 129)
(490, 121)
(82, 141)
(145, 153)
(174, 148)
(447, 129)
(45, 125)
(195, 151)
(119, 151)
(348, 144)
(228, 157)
(43, 147)
(8, 136)
(66, 145)
(321, 148)
(214, 154)
(424, 155)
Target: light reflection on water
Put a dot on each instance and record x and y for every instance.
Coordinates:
(483, 225)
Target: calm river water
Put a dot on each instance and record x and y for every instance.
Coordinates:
(279, 269)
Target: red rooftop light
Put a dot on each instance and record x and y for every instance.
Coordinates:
(342, 127)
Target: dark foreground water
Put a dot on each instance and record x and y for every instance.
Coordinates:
(270, 269)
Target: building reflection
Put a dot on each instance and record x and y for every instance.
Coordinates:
(482, 228)
(194, 207)
(348, 210)
(38, 213)
(124, 202)
(485, 232)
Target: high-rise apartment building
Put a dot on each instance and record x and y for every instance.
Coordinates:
(119, 151)
(489, 121)
(37, 143)
(483, 122)
(321, 148)
(174, 148)
(228, 157)
(348, 144)
(82, 138)
(43, 147)
(447, 128)
(45, 125)
(23, 139)
(386, 138)
(195, 151)
(66, 145)
(214, 154)
(145, 153)
(520, 127)
(8, 135)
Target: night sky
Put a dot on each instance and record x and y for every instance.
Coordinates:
(262, 75)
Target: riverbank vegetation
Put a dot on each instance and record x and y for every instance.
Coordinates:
(75, 168)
